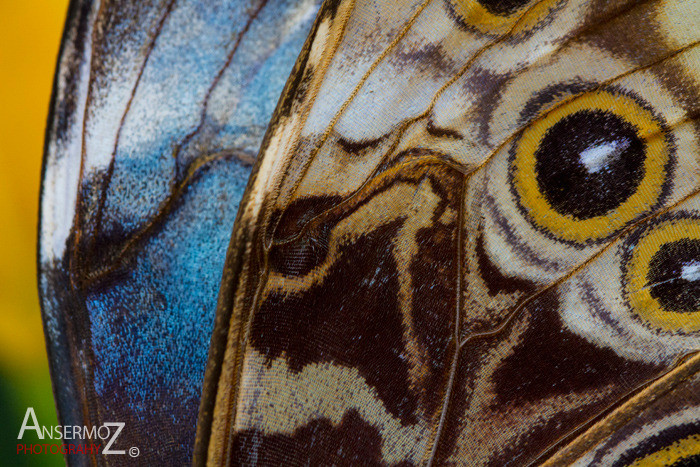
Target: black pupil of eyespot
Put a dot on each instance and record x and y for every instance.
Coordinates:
(503, 7)
(589, 163)
(674, 276)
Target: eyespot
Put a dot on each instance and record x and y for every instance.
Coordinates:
(647, 440)
(494, 17)
(663, 276)
(588, 168)
(684, 451)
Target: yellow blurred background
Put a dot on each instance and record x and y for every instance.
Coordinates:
(30, 33)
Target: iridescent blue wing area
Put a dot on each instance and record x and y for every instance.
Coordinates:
(158, 111)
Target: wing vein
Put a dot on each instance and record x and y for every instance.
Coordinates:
(110, 169)
(348, 101)
(217, 79)
(458, 318)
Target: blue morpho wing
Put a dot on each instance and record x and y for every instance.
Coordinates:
(158, 111)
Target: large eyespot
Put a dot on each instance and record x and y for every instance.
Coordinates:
(495, 17)
(663, 276)
(588, 168)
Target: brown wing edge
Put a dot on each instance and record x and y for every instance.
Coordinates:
(621, 415)
(241, 250)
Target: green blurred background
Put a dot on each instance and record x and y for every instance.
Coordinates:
(30, 33)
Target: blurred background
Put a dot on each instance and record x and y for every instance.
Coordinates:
(30, 33)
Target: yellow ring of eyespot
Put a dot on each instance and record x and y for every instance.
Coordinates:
(595, 228)
(677, 451)
(474, 14)
(646, 306)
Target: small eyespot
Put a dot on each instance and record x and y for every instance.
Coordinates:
(588, 168)
(663, 276)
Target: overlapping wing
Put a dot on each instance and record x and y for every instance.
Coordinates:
(158, 112)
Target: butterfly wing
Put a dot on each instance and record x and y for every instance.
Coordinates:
(659, 426)
(158, 111)
(467, 236)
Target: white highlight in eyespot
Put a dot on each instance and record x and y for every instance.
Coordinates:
(597, 157)
(691, 271)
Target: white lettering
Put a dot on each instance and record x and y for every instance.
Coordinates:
(120, 427)
(35, 427)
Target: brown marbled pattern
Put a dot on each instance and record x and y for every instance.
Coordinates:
(403, 287)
